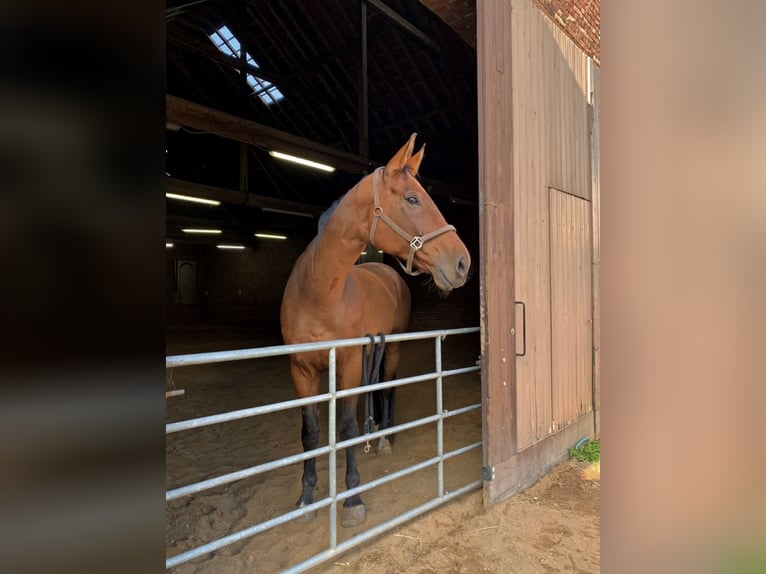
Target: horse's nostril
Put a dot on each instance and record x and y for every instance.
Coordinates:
(462, 267)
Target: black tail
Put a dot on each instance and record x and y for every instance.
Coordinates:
(384, 402)
(379, 408)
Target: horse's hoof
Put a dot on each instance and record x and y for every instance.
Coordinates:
(384, 446)
(308, 517)
(353, 516)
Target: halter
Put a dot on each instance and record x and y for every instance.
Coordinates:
(416, 241)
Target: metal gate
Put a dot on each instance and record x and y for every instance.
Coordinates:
(331, 397)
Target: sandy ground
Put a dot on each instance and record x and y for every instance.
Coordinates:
(553, 527)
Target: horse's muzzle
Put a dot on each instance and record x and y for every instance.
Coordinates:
(451, 276)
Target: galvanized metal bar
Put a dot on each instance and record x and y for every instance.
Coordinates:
(461, 410)
(461, 371)
(333, 446)
(406, 426)
(440, 412)
(385, 432)
(277, 350)
(381, 528)
(243, 413)
(386, 385)
(405, 471)
(295, 403)
(178, 559)
(244, 473)
(273, 465)
(369, 485)
(331, 423)
(405, 381)
(267, 525)
(462, 450)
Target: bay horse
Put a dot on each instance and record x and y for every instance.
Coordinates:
(328, 297)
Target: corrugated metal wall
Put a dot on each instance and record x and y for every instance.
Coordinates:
(552, 219)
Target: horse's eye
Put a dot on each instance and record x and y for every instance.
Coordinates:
(413, 200)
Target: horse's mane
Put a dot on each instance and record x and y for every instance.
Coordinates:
(325, 217)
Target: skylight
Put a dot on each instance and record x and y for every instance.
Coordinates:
(227, 43)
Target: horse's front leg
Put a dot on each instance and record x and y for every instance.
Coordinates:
(310, 439)
(353, 513)
(307, 384)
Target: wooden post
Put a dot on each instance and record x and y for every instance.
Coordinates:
(595, 145)
(243, 167)
(496, 192)
(364, 143)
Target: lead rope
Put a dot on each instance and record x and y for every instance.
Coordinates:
(416, 242)
(370, 375)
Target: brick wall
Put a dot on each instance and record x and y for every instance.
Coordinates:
(460, 15)
(580, 19)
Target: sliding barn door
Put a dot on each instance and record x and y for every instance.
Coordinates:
(537, 233)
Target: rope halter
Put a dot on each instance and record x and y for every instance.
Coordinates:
(416, 242)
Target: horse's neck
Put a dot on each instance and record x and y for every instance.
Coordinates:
(338, 247)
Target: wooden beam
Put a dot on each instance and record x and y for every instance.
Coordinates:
(186, 113)
(364, 129)
(224, 195)
(211, 53)
(405, 24)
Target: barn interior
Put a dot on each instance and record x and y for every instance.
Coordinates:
(337, 82)
(344, 83)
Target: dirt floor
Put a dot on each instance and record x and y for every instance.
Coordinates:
(553, 527)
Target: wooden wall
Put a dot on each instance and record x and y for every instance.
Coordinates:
(537, 188)
(552, 189)
(595, 175)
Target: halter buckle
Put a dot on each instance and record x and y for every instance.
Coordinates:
(416, 243)
(377, 211)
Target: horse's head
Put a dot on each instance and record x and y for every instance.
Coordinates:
(406, 223)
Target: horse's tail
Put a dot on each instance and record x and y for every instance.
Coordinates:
(377, 396)
(384, 402)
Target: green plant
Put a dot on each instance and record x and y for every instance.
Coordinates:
(589, 452)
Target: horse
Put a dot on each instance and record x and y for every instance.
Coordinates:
(328, 296)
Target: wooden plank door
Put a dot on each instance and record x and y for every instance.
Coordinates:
(496, 239)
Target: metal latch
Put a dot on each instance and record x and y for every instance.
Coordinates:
(488, 473)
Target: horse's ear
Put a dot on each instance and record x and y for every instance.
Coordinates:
(398, 162)
(413, 164)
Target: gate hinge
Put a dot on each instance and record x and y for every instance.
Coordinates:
(488, 473)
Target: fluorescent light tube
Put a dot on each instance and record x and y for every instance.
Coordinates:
(300, 160)
(225, 246)
(192, 199)
(270, 236)
(168, 244)
(207, 231)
